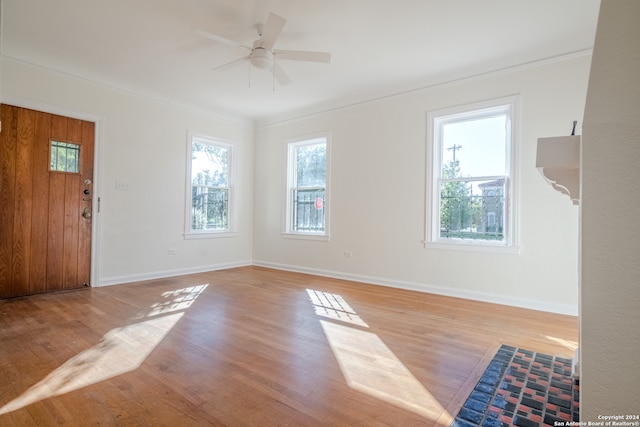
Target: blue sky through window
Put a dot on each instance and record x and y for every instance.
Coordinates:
(479, 146)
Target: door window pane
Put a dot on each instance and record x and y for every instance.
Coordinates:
(65, 157)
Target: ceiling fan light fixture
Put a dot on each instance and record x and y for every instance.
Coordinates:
(261, 58)
(261, 53)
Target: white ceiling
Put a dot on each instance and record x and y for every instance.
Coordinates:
(378, 47)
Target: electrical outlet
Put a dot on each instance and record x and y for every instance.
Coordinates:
(348, 254)
(171, 252)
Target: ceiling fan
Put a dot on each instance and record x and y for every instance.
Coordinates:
(262, 55)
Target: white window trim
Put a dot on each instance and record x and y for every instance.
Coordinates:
(289, 147)
(209, 234)
(434, 160)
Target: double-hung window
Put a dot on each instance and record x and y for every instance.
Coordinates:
(209, 190)
(471, 186)
(307, 213)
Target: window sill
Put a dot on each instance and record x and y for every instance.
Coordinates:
(471, 246)
(209, 235)
(307, 236)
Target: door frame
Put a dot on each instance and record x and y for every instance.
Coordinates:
(98, 122)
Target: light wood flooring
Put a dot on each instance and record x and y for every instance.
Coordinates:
(254, 347)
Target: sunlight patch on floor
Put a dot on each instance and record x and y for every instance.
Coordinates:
(370, 367)
(366, 362)
(120, 350)
(180, 299)
(333, 306)
(571, 345)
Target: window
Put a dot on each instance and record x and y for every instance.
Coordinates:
(209, 190)
(307, 211)
(471, 184)
(65, 157)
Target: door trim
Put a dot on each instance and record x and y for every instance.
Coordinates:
(97, 167)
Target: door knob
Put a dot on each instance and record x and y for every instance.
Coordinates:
(86, 213)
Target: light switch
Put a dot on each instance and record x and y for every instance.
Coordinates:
(122, 185)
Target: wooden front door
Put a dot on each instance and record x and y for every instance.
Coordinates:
(46, 187)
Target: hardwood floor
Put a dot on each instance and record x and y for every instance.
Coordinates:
(254, 347)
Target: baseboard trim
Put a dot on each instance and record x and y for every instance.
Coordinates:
(118, 280)
(432, 289)
(373, 280)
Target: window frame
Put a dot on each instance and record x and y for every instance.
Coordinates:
(435, 122)
(230, 230)
(291, 145)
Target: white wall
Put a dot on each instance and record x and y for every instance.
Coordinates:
(378, 163)
(143, 142)
(378, 166)
(610, 209)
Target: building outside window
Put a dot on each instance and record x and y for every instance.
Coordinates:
(307, 213)
(209, 192)
(472, 181)
(492, 199)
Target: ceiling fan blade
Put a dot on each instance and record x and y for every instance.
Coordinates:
(303, 55)
(271, 31)
(229, 64)
(218, 39)
(280, 75)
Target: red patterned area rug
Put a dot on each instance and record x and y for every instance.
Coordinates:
(522, 388)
